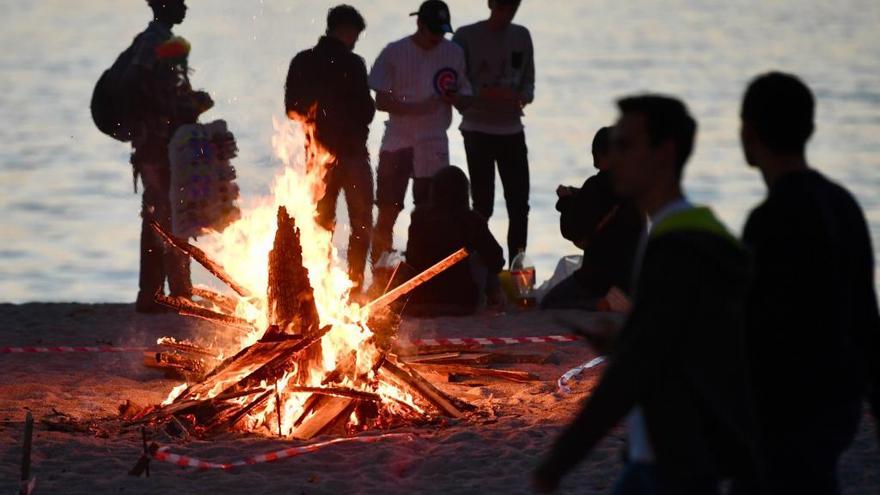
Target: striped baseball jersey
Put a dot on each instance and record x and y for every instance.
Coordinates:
(413, 74)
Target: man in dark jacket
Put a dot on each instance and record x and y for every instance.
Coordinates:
(813, 324)
(678, 366)
(606, 226)
(328, 85)
(439, 228)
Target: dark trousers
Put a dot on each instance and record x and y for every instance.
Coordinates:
(158, 263)
(646, 479)
(392, 177)
(510, 153)
(352, 174)
(804, 459)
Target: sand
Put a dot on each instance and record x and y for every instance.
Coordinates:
(496, 455)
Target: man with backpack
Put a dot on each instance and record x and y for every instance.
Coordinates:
(143, 98)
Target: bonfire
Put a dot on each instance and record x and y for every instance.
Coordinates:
(309, 361)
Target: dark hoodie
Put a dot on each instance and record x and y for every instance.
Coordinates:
(443, 226)
(680, 356)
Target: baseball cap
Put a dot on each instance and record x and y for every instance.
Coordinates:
(435, 15)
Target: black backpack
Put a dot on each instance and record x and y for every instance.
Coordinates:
(111, 104)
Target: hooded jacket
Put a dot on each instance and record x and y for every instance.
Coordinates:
(441, 227)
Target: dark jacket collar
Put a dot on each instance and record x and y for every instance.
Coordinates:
(331, 43)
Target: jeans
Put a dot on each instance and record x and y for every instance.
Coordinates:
(158, 263)
(510, 153)
(352, 174)
(392, 177)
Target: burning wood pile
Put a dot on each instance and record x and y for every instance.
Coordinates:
(273, 385)
(311, 362)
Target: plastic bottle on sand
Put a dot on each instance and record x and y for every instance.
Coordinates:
(522, 271)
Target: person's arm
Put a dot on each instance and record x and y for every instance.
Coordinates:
(527, 89)
(463, 97)
(364, 108)
(298, 97)
(387, 102)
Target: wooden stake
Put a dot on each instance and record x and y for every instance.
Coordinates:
(26, 454)
(278, 408)
(411, 284)
(421, 386)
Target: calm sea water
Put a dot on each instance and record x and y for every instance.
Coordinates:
(70, 226)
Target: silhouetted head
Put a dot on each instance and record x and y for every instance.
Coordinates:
(777, 116)
(450, 190)
(169, 12)
(651, 143)
(601, 148)
(346, 24)
(434, 21)
(503, 12)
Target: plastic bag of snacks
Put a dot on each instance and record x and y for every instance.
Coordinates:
(203, 189)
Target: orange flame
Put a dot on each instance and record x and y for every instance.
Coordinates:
(243, 249)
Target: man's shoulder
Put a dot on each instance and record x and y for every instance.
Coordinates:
(469, 29)
(397, 45)
(520, 30)
(452, 48)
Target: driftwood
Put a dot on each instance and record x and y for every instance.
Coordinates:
(456, 369)
(197, 254)
(186, 307)
(176, 364)
(291, 300)
(413, 381)
(26, 484)
(411, 284)
(325, 412)
(225, 303)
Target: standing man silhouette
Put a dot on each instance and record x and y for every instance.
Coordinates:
(333, 78)
(162, 99)
(501, 68)
(813, 324)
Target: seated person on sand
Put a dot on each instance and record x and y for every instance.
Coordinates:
(605, 226)
(439, 228)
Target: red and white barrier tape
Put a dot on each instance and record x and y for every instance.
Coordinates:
(479, 341)
(493, 340)
(68, 349)
(164, 455)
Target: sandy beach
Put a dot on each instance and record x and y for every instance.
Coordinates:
(495, 454)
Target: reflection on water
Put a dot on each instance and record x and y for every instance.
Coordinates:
(70, 227)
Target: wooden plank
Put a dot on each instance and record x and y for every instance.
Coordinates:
(224, 302)
(186, 307)
(326, 412)
(421, 387)
(197, 254)
(241, 366)
(456, 369)
(411, 284)
(429, 357)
